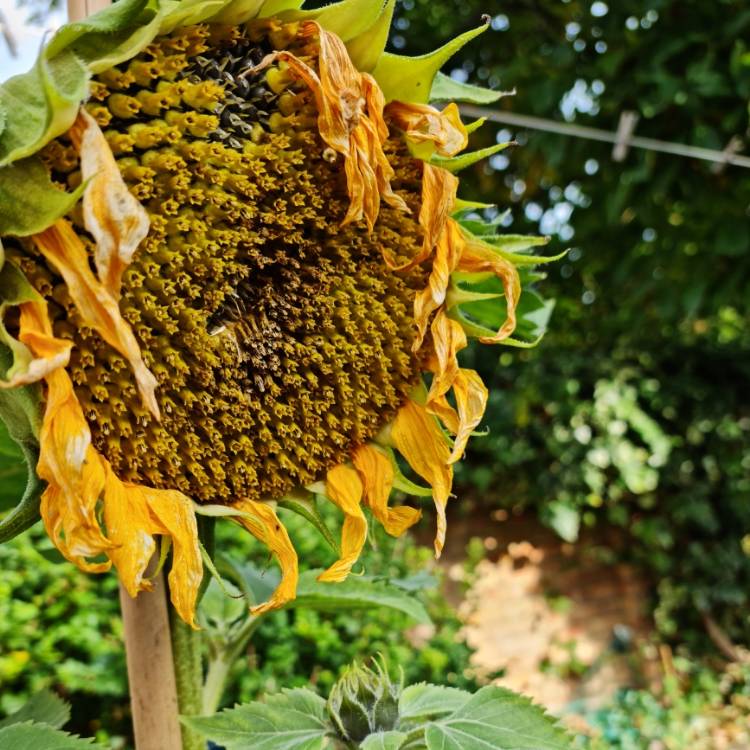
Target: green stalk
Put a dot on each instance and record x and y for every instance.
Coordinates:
(186, 648)
(220, 665)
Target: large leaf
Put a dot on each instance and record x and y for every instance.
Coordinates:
(383, 741)
(425, 701)
(497, 719)
(32, 736)
(293, 720)
(356, 593)
(45, 707)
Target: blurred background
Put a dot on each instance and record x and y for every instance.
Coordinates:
(599, 550)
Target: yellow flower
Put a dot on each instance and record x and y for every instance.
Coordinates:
(242, 306)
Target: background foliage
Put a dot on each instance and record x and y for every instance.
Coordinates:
(633, 412)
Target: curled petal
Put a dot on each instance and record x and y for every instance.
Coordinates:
(344, 488)
(49, 355)
(439, 189)
(376, 472)
(133, 514)
(448, 338)
(69, 511)
(350, 120)
(476, 258)
(471, 401)
(98, 308)
(422, 123)
(418, 438)
(262, 522)
(115, 218)
(450, 248)
(67, 461)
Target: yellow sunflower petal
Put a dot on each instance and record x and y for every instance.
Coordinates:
(471, 400)
(439, 189)
(98, 308)
(423, 124)
(448, 338)
(418, 438)
(133, 514)
(50, 353)
(449, 251)
(350, 120)
(116, 220)
(67, 462)
(376, 472)
(344, 488)
(476, 258)
(263, 523)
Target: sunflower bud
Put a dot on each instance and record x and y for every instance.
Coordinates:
(364, 701)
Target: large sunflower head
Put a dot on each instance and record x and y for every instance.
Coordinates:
(236, 275)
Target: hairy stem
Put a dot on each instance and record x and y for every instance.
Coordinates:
(186, 648)
(220, 664)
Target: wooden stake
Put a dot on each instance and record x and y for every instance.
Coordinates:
(78, 9)
(148, 647)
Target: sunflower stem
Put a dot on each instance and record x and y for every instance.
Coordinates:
(220, 664)
(188, 670)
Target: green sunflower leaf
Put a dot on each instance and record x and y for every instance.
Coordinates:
(44, 707)
(360, 592)
(424, 701)
(29, 200)
(31, 736)
(446, 89)
(366, 49)
(41, 104)
(383, 741)
(500, 719)
(457, 163)
(292, 720)
(410, 79)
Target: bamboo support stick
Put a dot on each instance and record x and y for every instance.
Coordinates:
(153, 690)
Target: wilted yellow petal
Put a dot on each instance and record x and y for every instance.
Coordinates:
(449, 250)
(476, 258)
(98, 308)
(471, 401)
(448, 338)
(114, 217)
(344, 488)
(422, 124)
(133, 514)
(350, 120)
(263, 523)
(67, 461)
(376, 472)
(418, 438)
(438, 198)
(50, 353)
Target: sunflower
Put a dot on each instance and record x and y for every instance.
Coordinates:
(233, 257)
